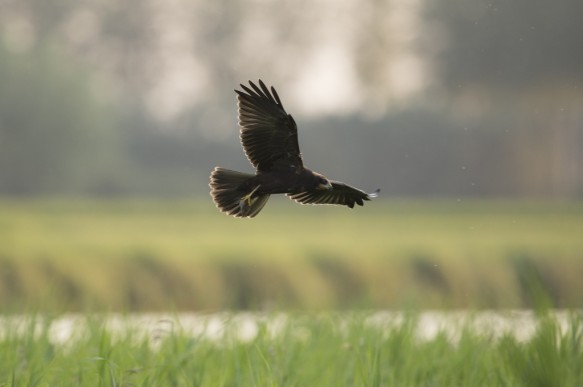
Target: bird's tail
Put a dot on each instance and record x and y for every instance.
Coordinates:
(232, 196)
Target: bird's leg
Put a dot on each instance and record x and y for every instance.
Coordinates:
(247, 199)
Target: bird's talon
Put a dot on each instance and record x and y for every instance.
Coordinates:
(248, 199)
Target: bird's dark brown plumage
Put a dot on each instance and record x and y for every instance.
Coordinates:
(270, 139)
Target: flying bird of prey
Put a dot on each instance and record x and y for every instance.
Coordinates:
(270, 139)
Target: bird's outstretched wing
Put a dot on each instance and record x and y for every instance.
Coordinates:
(339, 194)
(268, 134)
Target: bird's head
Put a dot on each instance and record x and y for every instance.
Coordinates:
(323, 183)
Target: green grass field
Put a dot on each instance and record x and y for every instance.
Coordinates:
(327, 349)
(331, 265)
(58, 255)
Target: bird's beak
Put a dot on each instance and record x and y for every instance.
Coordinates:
(327, 186)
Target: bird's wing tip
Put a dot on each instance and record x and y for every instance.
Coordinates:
(374, 194)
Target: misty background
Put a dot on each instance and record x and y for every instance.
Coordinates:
(420, 98)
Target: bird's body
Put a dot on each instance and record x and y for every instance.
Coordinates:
(283, 181)
(269, 138)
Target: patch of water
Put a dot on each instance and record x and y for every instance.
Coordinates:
(245, 326)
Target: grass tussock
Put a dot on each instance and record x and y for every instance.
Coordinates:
(147, 256)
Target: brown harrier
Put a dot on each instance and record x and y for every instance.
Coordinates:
(270, 139)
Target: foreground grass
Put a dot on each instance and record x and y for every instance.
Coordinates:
(306, 350)
(153, 255)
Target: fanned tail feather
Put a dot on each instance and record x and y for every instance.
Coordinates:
(231, 196)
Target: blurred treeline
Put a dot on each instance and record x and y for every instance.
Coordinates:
(135, 97)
